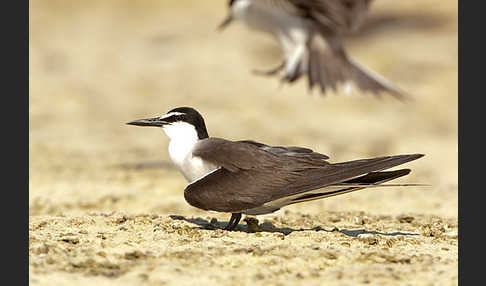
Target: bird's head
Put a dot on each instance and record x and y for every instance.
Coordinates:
(179, 123)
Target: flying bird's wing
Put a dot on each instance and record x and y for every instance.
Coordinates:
(326, 62)
(333, 16)
(328, 66)
(248, 176)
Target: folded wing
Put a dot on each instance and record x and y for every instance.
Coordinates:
(250, 176)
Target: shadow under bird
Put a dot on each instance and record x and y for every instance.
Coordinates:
(248, 177)
(311, 34)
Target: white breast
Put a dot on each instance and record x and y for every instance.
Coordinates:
(194, 168)
(183, 138)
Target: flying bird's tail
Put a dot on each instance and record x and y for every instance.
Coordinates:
(328, 65)
(369, 80)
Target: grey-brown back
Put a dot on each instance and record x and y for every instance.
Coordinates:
(252, 173)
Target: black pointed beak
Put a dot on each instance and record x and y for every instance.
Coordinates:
(156, 121)
(225, 23)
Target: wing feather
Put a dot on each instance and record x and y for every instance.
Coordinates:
(250, 176)
(333, 16)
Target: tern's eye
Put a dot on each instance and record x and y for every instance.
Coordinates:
(173, 117)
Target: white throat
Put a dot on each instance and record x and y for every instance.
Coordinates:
(183, 138)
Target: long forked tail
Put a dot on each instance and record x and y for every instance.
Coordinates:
(370, 180)
(373, 179)
(343, 178)
(355, 174)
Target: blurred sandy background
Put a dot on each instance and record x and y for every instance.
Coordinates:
(95, 65)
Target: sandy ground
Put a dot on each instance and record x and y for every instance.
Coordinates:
(106, 207)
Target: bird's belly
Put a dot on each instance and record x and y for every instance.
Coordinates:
(290, 30)
(266, 16)
(194, 168)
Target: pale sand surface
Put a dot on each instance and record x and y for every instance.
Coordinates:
(107, 208)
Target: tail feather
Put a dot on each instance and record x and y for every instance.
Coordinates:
(379, 177)
(373, 179)
(369, 80)
(339, 179)
(341, 172)
(370, 180)
(328, 66)
(376, 164)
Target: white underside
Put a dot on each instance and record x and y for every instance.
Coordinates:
(183, 139)
(270, 207)
(290, 30)
(194, 168)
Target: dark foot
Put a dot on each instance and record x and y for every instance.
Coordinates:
(252, 224)
(233, 222)
(291, 76)
(270, 72)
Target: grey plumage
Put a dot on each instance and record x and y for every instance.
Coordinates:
(333, 16)
(254, 178)
(259, 174)
(321, 26)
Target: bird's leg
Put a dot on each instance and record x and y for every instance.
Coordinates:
(233, 222)
(270, 72)
(230, 222)
(296, 64)
(292, 75)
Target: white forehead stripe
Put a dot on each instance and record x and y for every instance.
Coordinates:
(171, 114)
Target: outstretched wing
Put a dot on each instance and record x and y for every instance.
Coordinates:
(250, 176)
(329, 66)
(334, 16)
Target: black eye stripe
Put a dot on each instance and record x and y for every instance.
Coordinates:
(174, 118)
(191, 116)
